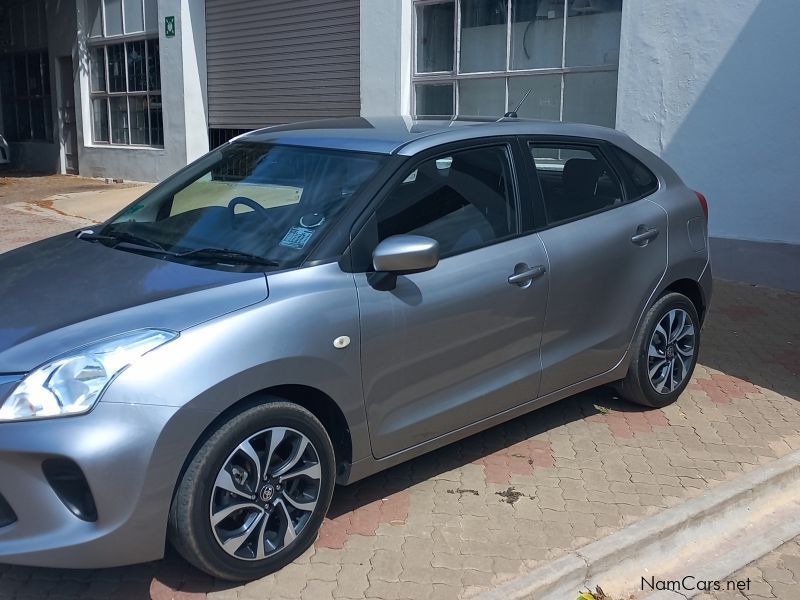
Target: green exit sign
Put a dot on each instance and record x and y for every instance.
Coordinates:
(169, 26)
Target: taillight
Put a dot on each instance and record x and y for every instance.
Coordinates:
(703, 203)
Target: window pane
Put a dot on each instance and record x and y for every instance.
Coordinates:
(8, 107)
(483, 35)
(94, 18)
(5, 30)
(591, 98)
(435, 31)
(100, 119)
(20, 76)
(45, 72)
(575, 182)
(38, 124)
(153, 65)
(119, 120)
(151, 15)
(134, 17)
(537, 29)
(641, 180)
(137, 77)
(33, 27)
(461, 200)
(435, 100)
(116, 68)
(139, 127)
(18, 25)
(156, 121)
(24, 119)
(544, 101)
(593, 28)
(97, 67)
(482, 97)
(113, 17)
(48, 118)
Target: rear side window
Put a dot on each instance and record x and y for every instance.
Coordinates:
(463, 200)
(641, 180)
(576, 181)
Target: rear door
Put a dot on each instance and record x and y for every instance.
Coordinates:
(448, 347)
(607, 255)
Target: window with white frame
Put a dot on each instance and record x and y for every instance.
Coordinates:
(125, 72)
(480, 57)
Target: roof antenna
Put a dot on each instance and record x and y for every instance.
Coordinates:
(512, 114)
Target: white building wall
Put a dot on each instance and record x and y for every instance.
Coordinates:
(714, 88)
(385, 57)
(183, 84)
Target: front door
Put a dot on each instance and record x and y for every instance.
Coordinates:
(66, 113)
(451, 346)
(606, 254)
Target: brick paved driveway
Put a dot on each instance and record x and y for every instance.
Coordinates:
(478, 512)
(774, 576)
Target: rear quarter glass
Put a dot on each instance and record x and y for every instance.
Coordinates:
(639, 181)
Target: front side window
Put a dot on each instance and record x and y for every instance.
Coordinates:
(463, 200)
(245, 206)
(480, 57)
(125, 73)
(576, 181)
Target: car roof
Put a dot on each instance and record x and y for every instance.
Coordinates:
(407, 136)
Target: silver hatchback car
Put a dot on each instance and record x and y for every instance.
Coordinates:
(308, 305)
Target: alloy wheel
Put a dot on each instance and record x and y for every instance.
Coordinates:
(671, 351)
(265, 493)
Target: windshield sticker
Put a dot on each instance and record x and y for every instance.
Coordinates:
(297, 237)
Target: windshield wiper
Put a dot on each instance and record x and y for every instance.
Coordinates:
(118, 237)
(145, 245)
(229, 254)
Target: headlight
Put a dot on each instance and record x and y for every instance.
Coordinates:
(72, 384)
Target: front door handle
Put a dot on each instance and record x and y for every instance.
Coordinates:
(644, 235)
(523, 275)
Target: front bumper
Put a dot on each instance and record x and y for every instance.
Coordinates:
(130, 466)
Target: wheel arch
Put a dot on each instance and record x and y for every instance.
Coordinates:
(692, 290)
(312, 399)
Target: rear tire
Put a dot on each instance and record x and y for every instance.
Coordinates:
(254, 495)
(666, 347)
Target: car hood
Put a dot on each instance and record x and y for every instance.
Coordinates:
(62, 293)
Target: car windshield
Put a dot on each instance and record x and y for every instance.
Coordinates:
(245, 206)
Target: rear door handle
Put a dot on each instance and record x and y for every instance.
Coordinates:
(644, 235)
(521, 277)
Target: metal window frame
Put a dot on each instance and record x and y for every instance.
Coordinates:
(28, 98)
(103, 31)
(456, 75)
(104, 43)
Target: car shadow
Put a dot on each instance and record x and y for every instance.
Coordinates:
(477, 447)
(162, 579)
(752, 334)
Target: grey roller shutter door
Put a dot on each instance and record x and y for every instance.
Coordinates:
(278, 61)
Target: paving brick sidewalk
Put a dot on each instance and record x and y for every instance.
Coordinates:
(775, 576)
(481, 511)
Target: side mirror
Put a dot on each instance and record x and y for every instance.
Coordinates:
(401, 254)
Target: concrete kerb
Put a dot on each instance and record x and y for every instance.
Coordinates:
(629, 551)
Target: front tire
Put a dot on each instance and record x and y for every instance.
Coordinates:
(666, 348)
(254, 495)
